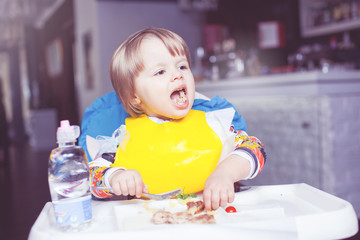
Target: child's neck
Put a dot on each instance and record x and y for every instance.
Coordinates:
(159, 120)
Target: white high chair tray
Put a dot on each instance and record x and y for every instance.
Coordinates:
(296, 211)
(295, 208)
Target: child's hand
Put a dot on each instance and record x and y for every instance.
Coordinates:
(219, 187)
(219, 190)
(127, 182)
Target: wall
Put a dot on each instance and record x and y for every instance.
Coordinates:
(110, 22)
(55, 43)
(85, 16)
(6, 84)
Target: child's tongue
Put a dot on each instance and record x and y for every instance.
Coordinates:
(178, 97)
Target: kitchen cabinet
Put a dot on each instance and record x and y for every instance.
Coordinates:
(330, 16)
(309, 124)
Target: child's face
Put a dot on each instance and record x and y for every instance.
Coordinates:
(165, 88)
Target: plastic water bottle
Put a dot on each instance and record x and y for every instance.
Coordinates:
(69, 180)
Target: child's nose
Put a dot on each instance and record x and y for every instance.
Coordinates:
(176, 75)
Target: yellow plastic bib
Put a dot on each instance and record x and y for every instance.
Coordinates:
(170, 155)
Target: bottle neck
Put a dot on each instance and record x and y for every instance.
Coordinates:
(66, 144)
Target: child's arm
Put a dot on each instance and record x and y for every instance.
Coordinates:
(122, 181)
(127, 182)
(99, 172)
(245, 162)
(219, 187)
(252, 149)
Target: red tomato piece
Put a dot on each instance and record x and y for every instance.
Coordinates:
(230, 209)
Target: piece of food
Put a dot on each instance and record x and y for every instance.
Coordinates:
(203, 219)
(195, 207)
(230, 209)
(185, 196)
(166, 217)
(194, 214)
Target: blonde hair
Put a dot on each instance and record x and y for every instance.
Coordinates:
(126, 63)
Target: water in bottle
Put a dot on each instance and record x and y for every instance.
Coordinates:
(69, 180)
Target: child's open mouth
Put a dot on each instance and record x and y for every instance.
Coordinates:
(179, 97)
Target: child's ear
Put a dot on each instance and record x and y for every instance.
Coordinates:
(136, 100)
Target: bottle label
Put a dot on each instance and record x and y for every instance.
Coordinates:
(73, 211)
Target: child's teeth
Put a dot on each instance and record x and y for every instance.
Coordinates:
(182, 97)
(182, 94)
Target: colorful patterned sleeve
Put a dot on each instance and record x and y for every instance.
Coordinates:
(98, 168)
(253, 146)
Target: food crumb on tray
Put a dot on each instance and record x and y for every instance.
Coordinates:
(195, 213)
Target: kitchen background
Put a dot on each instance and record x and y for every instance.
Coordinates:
(291, 67)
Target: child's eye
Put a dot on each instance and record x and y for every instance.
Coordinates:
(161, 72)
(183, 67)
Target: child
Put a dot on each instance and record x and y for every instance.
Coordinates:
(175, 137)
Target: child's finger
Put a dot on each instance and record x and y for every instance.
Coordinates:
(207, 199)
(138, 187)
(131, 187)
(116, 189)
(124, 188)
(215, 201)
(144, 188)
(231, 195)
(224, 197)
